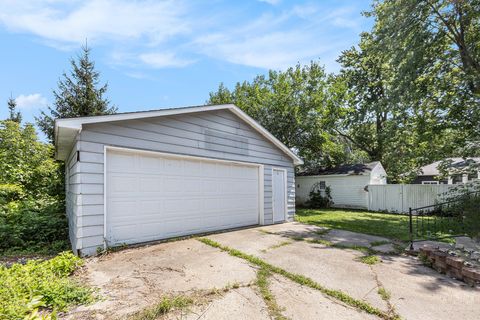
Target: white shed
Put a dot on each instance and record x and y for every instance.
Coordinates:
(348, 183)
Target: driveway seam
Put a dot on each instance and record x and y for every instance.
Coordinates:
(303, 280)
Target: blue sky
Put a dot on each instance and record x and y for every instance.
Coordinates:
(157, 54)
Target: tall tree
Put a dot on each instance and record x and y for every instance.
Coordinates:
(79, 94)
(294, 106)
(433, 50)
(375, 120)
(435, 47)
(14, 115)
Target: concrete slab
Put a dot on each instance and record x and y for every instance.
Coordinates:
(334, 268)
(304, 303)
(385, 248)
(236, 304)
(418, 292)
(348, 238)
(135, 278)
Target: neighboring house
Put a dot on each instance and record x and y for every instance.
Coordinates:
(144, 176)
(348, 183)
(430, 174)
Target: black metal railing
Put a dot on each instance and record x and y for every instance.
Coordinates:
(438, 221)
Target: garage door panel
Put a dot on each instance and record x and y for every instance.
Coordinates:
(122, 183)
(150, 206)
(152, 197)
(146, 162)
(120, 161)
(182, 206)
(209, 169)
(151, 184)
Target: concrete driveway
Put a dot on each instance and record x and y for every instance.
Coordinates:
(224, 286)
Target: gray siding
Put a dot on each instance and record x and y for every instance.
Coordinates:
(71, 194)
(215, 134)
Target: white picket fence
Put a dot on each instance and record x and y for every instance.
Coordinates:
(399, 198)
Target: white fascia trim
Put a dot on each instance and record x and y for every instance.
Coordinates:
(77, 123)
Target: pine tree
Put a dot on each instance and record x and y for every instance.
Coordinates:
(79, 94)
(14, 114)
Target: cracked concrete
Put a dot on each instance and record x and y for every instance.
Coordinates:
(301, 302)
(133, 279)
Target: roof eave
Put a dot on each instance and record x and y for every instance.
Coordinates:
(74, 125)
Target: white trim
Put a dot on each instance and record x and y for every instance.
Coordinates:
(105, 197)
(285, 214)
(261, 196)
(183, 156)
(77, 123)
(261, 203)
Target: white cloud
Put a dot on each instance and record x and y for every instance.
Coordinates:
(72, 22)
(275, 50)
(163, 60)
(159, 34)
(31, 101)
(279, 41)
(272, 2)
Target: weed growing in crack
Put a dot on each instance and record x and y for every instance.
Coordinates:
(166, 305)
(384, 294)
(300, 279)
(281, 244)
(262, 282)
(370, 260)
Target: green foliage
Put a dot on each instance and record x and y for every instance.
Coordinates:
(393, 226)
(36, 284)
(10, 192)
(384, 294)
(319, 198)
(419, 67)
(298, 107)
(370, 260)
(166, 305)
(274, 309)
(14, 115)
(407, 95)
(34, 226)
(464, 206)
(78, 95)
(32, 214)
(27, 162)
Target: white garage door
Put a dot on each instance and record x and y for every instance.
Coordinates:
(152, 196)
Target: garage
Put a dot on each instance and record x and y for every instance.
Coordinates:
(151, 196)
(137, 177)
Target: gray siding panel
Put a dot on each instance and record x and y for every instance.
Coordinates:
(72, 191)
(216, 134)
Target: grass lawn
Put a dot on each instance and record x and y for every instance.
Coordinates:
(379, 224)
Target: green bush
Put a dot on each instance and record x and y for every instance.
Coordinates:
(32, 211)
(10, 192)
(41, 283)
(319, 198)
(467, 206)
(33, 226)
(463, 204)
